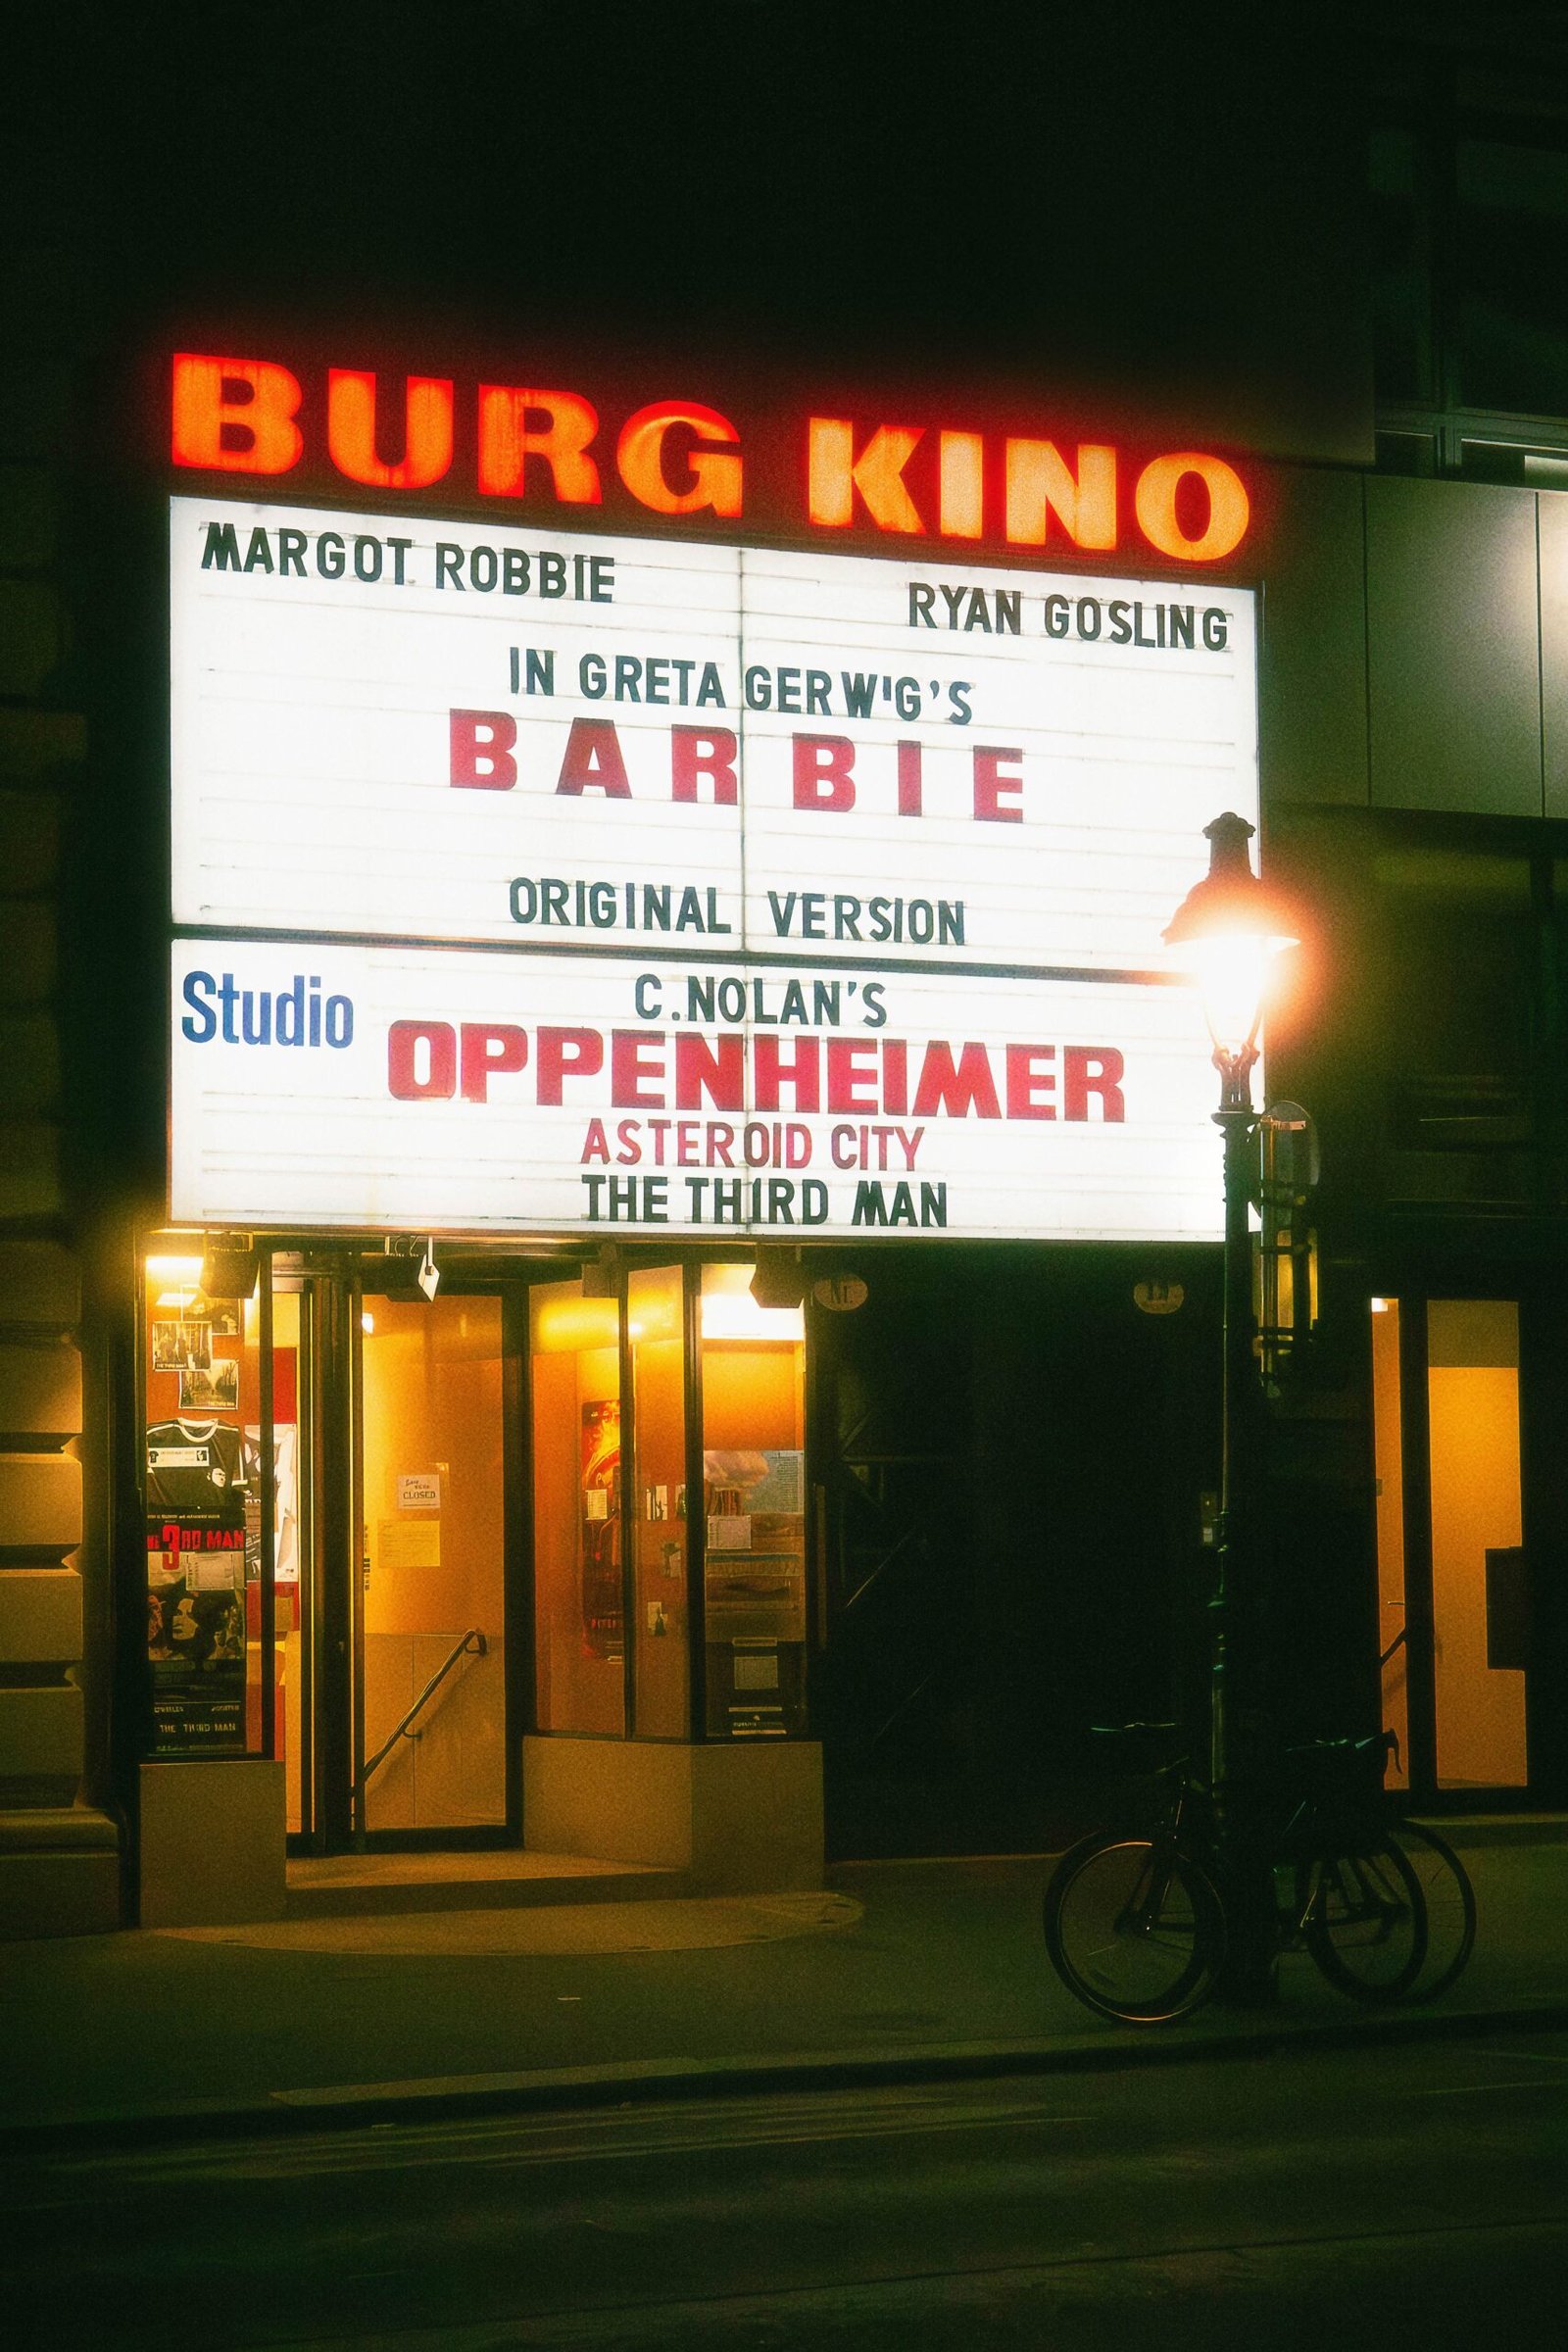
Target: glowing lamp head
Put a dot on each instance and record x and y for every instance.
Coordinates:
(1228, 930)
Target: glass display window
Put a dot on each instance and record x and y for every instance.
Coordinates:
(580, 1600)
(670, 1507)
(202, 1459)
(661, 1617)
(753, 1494)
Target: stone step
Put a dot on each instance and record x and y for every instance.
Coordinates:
(354, 1885)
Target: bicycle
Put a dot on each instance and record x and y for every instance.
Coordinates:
(1451, 1906)
(1134, 1921)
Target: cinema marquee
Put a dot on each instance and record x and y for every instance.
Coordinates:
(532, 876)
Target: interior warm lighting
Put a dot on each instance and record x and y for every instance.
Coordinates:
(186, 1270)
(730, 1312)
(726, 1318)
(655, 1306)
(565, 1326)
(1380, 1307)
(367, 1321)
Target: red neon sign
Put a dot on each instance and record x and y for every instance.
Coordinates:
(684, 459)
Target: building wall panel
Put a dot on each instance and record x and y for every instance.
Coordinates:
(1454, 662)
(40, 1501)
(1312, 653)
(30, 1061)
(1551, 509)
(40, 1285)
(30, 839)
(40, 1616)
(40, 1735)
(40, 1391)
(28, 966)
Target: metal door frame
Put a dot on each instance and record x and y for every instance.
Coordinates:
(332, 1708)
(1420, 1621)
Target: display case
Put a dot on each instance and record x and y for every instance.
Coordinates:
(753, 1491)
(202, 1473)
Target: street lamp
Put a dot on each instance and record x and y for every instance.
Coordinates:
(1228, 929)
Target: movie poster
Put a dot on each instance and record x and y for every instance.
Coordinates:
(196, 1631)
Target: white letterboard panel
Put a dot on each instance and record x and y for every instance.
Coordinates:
(1063, 780)
(416, 1088)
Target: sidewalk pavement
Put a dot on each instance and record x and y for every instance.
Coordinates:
(898, 1971)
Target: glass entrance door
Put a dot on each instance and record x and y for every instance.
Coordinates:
(396, 1650)
(429, 1717)
(1452, 1570)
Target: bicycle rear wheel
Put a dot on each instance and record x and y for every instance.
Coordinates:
(1450, 1907)
(1134, 1928)
(1365, 1922)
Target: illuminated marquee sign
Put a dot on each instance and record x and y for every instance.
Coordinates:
(685, 462)
(528, 880)
(423, 1088)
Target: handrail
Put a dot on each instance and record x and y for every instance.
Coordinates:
(473, 1643)
(1393, 1647)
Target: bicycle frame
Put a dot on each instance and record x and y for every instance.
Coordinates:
(1354, 1904)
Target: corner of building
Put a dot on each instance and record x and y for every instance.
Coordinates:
(60, 1870)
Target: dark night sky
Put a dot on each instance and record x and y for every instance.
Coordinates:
(1073, 197)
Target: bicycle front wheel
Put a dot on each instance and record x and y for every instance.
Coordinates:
(1134, 1928)
(1365, 1921)
(1450, 1907)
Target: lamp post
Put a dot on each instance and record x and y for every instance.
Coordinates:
(1228, 929)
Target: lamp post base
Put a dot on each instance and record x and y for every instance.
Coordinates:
(1249, 1978)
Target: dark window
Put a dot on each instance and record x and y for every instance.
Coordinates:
(1401, 278)
(1458, 962)
(1408, 453)
(1510, 263)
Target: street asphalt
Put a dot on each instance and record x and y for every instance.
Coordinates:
(897, 1971)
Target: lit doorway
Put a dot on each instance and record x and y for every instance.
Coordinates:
(1452, 1575)
(393, 1654)
(430, 1715)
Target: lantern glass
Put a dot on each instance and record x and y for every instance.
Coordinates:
(1233, 971)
